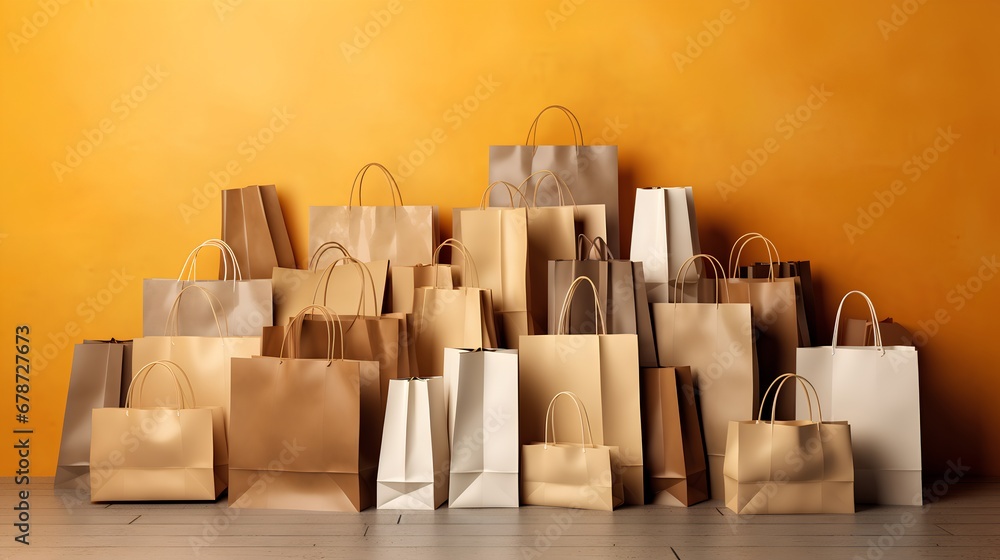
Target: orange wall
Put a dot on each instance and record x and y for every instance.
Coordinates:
(179, 86)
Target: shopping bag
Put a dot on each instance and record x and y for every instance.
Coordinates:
(338, 287)
(204, 359)
(452, 318)
(402, 235)
(99, 378)
(591, 172)
(162, 452)
(404, 281)
(805, 296)
(413, 463)
(716, 341)
(582, 476)
(776, 303)
(620, 289)
(247, 303)
(664, 235)
(305, 432)
(481, 392)
(790, 466)
(876, 388)
(602, 370)
(673, 450)
(253, 225)
(860, 332)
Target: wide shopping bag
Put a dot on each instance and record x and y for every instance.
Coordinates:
(664, 235)
(621, 294)
(716, 341)
(481, 388)
(602, 370)
(206, 360)
(452, 318)
(305, 432)
(247, 303)
(590, 171)
(413, 463)
(402, 235)
(253, 225)
(876, 388)
(582, 476)
(143, 453)
(790, 466)
(339, 287)
(99, 378)
(673, 450)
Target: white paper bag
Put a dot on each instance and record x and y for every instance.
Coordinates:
(664, 235)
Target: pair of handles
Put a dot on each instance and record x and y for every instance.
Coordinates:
(585, 428)
(562, 327)
(173, 316)
(521, 189)
(596, 246)
(294, 328)
(228, 256)
(720, 271)
(359, 180)
(574, 123)
(134, 394)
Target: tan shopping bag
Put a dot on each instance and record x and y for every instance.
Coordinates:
(253, 225)
(337, 287)
(664, 235)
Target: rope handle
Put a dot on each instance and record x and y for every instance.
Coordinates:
(875, 326)
(584, 420)
(295, 325)
(563, 324)
(322, 249)
(742, 241)
(227, 254)
(573, 121)
(560, 186)
(452, 242)
(359, 180)
(134, 394)
(173, 316)
(720, 277)
(362, 269)
(780, 382)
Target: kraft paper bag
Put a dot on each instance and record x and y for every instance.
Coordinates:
(716, 341)
(876, 388)
(790, 466)
(305, 432)
(572, 475)
(664, 235)
(247, 303)
(99, 378)
(143, 453)
(673, 449)
(776, 303)
(206, 360)
(590, 171)
(621, 293)
(339, 287)
(406, 279)
(496, 238)
(602, 370)
(452, 318)
(805, 294)
(413, 463)
(402, 235)
(253, 225)
(481, 392)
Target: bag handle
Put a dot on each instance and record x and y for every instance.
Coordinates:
(484, 201)
(173, 316)
(584, 420)
(875, 326)
(742, 241)
(227, 254)
(139, 380)
(330, 318)
(573, 121)
(452, 242)
(362, 271)
(563, 324)
(720, 277)
(359, 180)
(322, 249)
(545, 174)
(780, 382)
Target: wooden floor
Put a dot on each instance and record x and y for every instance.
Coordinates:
(964, 522)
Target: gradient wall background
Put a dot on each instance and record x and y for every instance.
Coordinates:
(860, 135)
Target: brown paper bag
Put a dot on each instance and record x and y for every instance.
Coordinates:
(337, 287)
(603, 370)
(406, 279)
(253, 226)
(673, 450)
(305, 432)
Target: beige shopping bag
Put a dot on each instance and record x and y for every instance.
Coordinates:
(253, 225)
(664, 235)
(583, 476)
(790, 466)
(162, 452)
(338, 287)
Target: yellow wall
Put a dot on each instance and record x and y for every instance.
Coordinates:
(179, 86)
